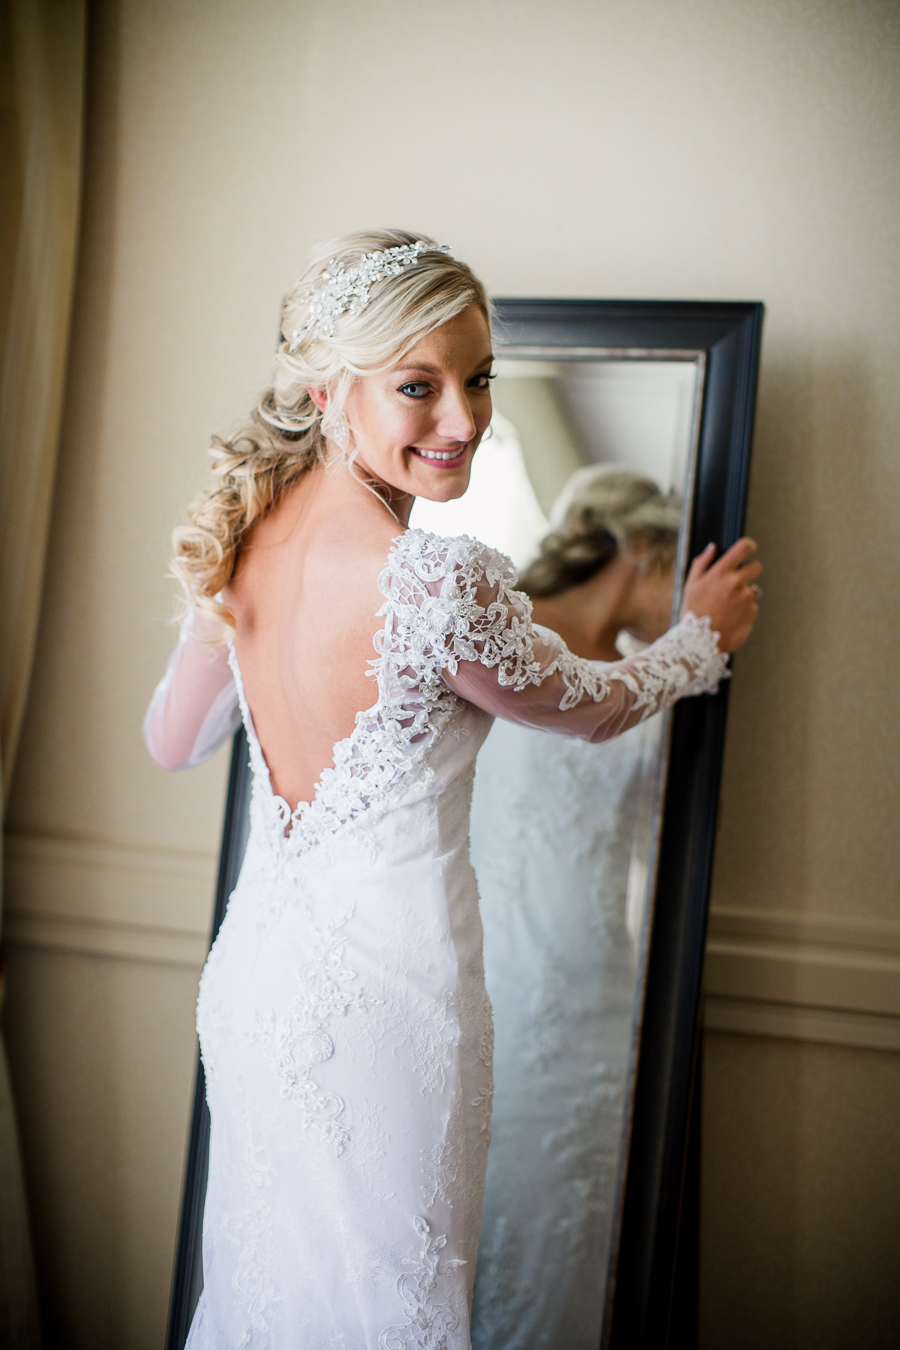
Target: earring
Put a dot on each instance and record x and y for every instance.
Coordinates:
(339, 431)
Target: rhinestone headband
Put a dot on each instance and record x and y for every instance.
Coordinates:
(346, 289)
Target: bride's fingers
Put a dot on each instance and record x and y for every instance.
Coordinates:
(750, 571)
(701, 563)
(737, 555)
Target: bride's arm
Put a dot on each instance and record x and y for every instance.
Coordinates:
(538, 682)
(194, 707)
(496, 658)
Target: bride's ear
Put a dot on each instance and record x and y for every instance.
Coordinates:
(319, 398)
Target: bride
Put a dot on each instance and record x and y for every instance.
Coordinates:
(343, 1019)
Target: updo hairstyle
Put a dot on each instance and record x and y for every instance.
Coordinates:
(604, 510)
(287, 434)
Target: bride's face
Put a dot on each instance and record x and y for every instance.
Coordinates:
(418, 425)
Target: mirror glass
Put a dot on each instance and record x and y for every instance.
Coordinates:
(563, 842)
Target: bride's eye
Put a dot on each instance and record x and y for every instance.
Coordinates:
(415, 389)
(482, 381)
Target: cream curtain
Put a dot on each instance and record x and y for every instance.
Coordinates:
(41, 104)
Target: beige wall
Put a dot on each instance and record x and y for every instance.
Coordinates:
(713, 148)
(801, 1195)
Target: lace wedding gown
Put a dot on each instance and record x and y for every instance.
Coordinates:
(343, 1018)
(557, 826)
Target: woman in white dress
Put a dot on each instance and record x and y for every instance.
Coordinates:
(556, 826)
(343, 1019)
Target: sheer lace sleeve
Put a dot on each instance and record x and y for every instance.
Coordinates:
(194, 707)
(456, 599)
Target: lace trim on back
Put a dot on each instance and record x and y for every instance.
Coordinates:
(391, 737)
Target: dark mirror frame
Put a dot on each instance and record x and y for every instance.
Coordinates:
(652, 1292)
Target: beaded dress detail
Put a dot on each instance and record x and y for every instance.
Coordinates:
(344, 1024)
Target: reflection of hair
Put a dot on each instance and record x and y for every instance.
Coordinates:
(601, 510)
(286, 435)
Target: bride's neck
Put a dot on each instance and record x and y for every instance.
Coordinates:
(357, 485)
(589, 617)
(341, 492)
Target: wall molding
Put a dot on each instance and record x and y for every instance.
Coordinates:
(806, 960)
(814, 977)
(108, 900)
(784, 1021)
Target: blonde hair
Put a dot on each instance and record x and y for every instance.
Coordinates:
(287, 434)
(601, 511)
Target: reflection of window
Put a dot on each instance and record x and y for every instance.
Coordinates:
(500, 507)
(529, 401)
(637, 413)
(569, 413)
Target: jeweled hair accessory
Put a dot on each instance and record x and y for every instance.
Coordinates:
(346, 289)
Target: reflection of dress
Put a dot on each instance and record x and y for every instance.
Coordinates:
(554, 825)
(343, 1017)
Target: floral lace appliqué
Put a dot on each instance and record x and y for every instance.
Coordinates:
(296, 1043)
(430, 1319)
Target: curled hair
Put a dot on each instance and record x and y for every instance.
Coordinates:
(603, 511)
(287, 434)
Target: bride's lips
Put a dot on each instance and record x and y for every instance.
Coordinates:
(439, 459)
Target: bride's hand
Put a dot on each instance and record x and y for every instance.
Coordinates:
(726, 592)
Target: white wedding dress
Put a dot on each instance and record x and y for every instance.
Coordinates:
(343, 1018)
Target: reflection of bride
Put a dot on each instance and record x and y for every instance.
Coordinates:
(555, 826)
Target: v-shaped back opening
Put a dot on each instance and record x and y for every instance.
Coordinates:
(290, 812)
(390, 737)
(291, 815)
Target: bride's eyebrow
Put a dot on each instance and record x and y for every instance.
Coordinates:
(425, 369)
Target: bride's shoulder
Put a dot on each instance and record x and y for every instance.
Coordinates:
(431, 558)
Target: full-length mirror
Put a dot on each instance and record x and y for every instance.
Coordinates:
(619, 446)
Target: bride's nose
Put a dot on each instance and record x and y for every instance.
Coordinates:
(454, 416)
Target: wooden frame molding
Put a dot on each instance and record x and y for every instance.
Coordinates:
(106, 900)
(803, 977)
(812, 960)
(816, 977)
(828, 1026)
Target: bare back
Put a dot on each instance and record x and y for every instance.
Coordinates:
(305, 597)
